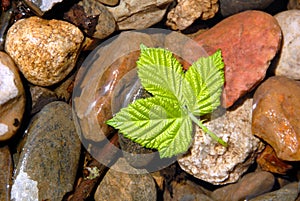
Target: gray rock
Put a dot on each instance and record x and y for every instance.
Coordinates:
(215, 163)
(6, 167)
(41, 6)
(289, 58)
(49, 160)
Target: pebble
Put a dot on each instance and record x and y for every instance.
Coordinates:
(251, 185)
(214, 163)
(6, 167)
(293, 4)
(40, 7)
(276, 116)
(248, 40)
(12, 98)
(49, 160)
(44, 50)
(289, 58)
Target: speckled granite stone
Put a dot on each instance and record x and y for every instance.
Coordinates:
(48, 163)
(6, 167)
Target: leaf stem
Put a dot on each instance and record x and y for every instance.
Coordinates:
(206, 130)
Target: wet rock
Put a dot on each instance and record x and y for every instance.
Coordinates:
(12, 98)
(40, 7)
(126, 187)
(251, 185)
(64, 91)
(230, 7)
(187, 11)
(131, 14)
(289, 58)
(48, 163)
(92, 17)
(109, 2)
(215, 163)
(287, 193)
(6, 167)
(248, 41)
(293, 4)
(44, 50)
(276, 116)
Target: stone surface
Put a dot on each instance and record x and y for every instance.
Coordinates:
(230, 7)
(251, 185)
(276, 116)
(49, 160)
(289, 58)
(248, 41)
(92, 17)
(293, 4)
(126, 187)
(132, 14)
(215, 163)
(12, 98)
(187, 11)
(6, 167)
(44, 50)
(109, 2)
(40, 7)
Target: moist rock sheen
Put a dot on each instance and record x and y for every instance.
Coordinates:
(276, 116)
(44, 50)
(215, 163)
(49, 160)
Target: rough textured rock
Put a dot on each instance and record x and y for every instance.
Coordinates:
(215, 163)
(40, 7)
(276, 116)
(289, 58)
(248, 41)
(48, 163)
(109, 2)
(230, 7)
(44, 50)
(251, 185)
(131, 14)
(12, 98)
(187, 11)
(6, 167)
(126, 187)
(294, 4)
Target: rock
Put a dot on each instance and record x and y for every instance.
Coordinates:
(276, 116)
(251, 185)
(6, 167)
(40, 7)
(214, 163)
(12, 98)
(126, 187)
(187, 11)
(287, 193)
(92, 17)
(230, 7)
(44, 50)
(65, 89)
(131, 14)
(289, 58)
(248, 41)
(109, 2)
(48, 163)
(293, 4)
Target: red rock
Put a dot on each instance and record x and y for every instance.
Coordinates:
(248, 41)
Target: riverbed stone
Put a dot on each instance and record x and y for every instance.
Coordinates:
(49, 160)
(45, 51)
(276, 116)
(6, 167)
(12, 98)
(40, 7)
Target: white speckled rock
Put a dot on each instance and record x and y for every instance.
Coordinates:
(12, 98)
(289, 59)
(44, 50)
(219, 165)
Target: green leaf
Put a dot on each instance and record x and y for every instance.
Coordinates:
(206, 78)
(157, 123)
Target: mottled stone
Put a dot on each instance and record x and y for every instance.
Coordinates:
(12, 98)
(251, 185)
(187, 11)
(248, 41)
(293, 4)
(289, 58)
(6, 167)
(230, 7)
(132, 14)
(40, 7)
(276, 116)
(49, 160)
(44, 50)
(126, 187)
(214, 163)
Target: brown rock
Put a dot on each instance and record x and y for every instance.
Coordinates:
(248, 41)
(276, 116)
(6, 167)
